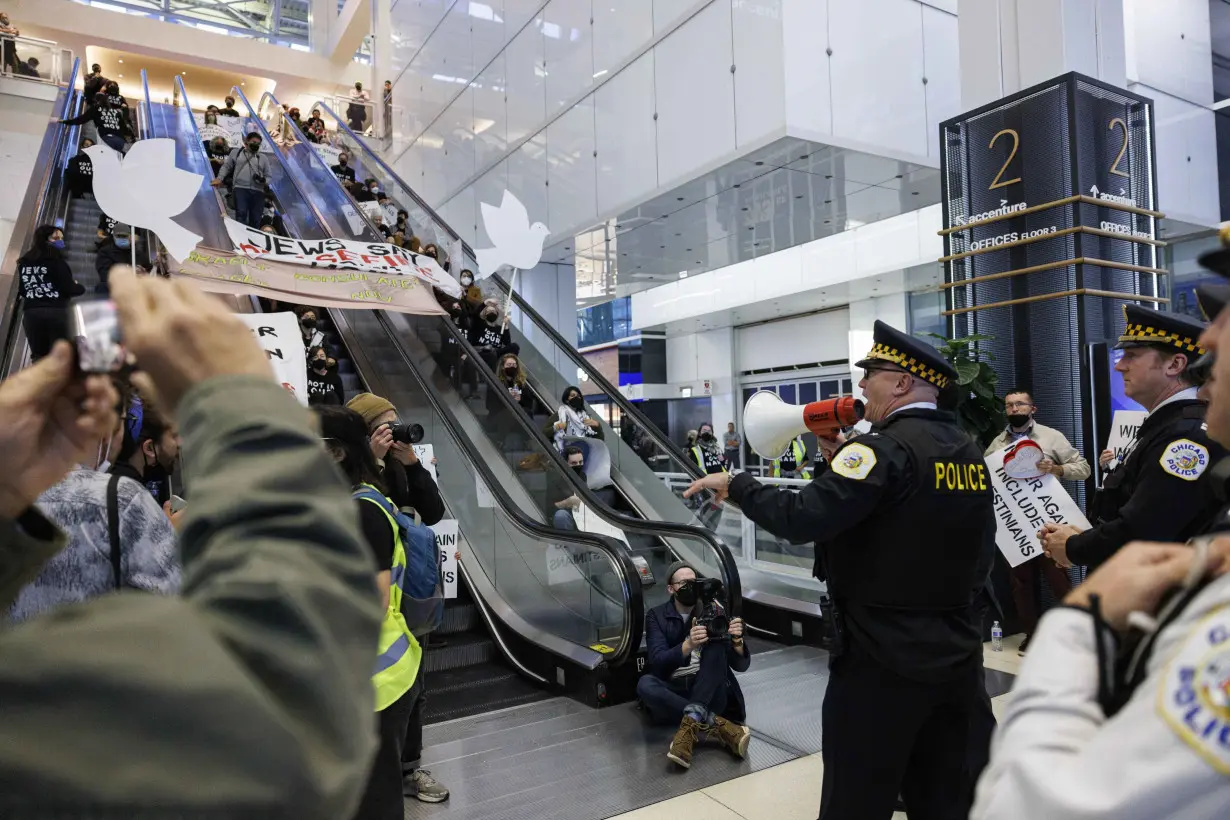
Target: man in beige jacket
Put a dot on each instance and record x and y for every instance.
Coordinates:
(1061, 460)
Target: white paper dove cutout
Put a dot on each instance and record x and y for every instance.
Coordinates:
(517, 242)
(145, 189)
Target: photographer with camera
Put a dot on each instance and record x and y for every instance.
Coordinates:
(247, 170)
(904, 524)
(694, 652)
(407, 480)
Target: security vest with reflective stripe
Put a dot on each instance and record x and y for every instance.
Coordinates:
(398, 653)
(796, 447)
(710, 464)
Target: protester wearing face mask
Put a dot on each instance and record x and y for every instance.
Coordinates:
(110, 121)
(229, 111)
(460, 368)
(47, 286)
(401, 227)
(343, 171)
(488, 335)
(308, 327)
(116, 250)
(270, 216)
(707, 451)
(407, 480)
(315, 128)
(564, 516)
(85, 504)
(323, 383)
(356, 111)
(512, 376)
(217, 150)
(80, 173)
(572, 419)
(247, 170)
(150, 449)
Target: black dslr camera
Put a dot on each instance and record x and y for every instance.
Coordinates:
(406, 433)
(709, 611)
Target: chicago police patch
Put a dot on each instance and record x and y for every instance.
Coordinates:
(1194, 697)
(854, 461)
(1185, 459)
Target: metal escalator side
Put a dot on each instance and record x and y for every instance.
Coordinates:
(507, 563)
(46, 200)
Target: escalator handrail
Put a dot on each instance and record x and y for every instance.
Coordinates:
(200, 144)
(634, 605)
(541, 324)
(49, 157)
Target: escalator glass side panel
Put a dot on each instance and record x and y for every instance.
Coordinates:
(202, 217)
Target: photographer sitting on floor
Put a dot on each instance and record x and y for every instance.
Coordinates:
(690, 679)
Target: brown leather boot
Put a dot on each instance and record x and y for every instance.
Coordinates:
(685, 740)
(733, 735)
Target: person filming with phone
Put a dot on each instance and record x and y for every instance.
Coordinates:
(694, 652)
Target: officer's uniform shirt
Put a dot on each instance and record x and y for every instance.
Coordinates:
(1161, 492)
(1166, 754)
(904, 543)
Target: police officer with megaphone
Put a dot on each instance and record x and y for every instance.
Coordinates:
(904, 525)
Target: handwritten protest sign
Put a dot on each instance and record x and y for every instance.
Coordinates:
(426, 453)
(278, 335)
(1022, 506)
(447, 543)
(1124, 426)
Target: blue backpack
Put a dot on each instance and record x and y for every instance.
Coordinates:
(422, 600)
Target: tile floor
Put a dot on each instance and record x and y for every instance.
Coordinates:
(788, 791)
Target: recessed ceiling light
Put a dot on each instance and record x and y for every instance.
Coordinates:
(121, 76)
(121, 62)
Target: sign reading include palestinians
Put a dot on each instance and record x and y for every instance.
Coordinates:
(278, 335)
(382, 258)
(1022, 506)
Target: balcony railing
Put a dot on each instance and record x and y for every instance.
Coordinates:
(29, 58)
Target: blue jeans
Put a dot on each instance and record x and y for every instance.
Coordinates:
(249, 206)
(564, 521)
(666, 700)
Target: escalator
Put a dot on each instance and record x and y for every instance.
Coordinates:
(649, 470)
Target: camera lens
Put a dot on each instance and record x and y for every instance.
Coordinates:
(407, 433)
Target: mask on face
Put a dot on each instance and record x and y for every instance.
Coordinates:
(342, 161)
(576, 403)
(706, 436)
(686, 594)
(490, 317)
(579, 470)
(254, 147)
(510, 371)
(210, 119)
(121, 243)
(1018, 419)
(58, 244)
(308, 323)
(466, 281)
(321, 364)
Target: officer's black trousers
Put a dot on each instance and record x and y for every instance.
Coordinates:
(885, 735)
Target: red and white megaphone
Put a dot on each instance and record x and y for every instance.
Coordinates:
(770, 424)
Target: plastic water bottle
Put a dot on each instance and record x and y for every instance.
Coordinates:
(997, 638)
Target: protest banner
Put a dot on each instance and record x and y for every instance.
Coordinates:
(278, 335)
(1124, 426)
(225, 272)
(232, 129)
(1022, 506)
(447, 540)
(381, 258)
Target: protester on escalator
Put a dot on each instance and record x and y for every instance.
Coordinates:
(323, 383)
(707, 451)
(294, 116)
(47, 286)
(217, 150)
(460, 369)
(397, 666)
(248, 171)
(315, 128)
(378, 220)
(150, 448)
(109, 120)
(309, 329)
(105, 226)
(690, 677)
(116, 250)
(343, 171)
(511, 374)
(401, 227)
(409, 483)
(95, 82)
(80, 173)
(573, 420)
(229, 111)
(270, 217)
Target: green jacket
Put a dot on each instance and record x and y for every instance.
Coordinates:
(251, 694)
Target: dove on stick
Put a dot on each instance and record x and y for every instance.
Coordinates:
(517, 242)
(145, 189)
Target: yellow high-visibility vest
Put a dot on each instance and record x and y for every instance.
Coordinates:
(799, 455)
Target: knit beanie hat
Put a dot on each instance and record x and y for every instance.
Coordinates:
(370, 406)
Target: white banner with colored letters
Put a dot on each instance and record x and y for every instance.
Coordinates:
(1023, 505)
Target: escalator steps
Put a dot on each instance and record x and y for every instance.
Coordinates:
(473, 690)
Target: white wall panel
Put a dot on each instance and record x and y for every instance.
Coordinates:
(804, 39)
(527, 177)
(681, 358)
(569, 44)
(1186, 151)
(572, 194)
(668, 12)
(876, 73)
(820, 337)
(760, 79)
(1172, 47)
(456, 126)
(943, 72)
(490, 114)
(620, 28)
(526, 84)
(695, 95)
(626, 136)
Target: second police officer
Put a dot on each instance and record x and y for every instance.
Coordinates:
(904, 526)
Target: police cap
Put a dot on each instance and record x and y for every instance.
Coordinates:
(1172, 332)
(912, 355)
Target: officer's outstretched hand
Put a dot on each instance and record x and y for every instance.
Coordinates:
(717, 483)
(1137, 576)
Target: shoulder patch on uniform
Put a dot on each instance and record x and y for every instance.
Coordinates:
(1194, 696)
(1185, 459)
(854, 461)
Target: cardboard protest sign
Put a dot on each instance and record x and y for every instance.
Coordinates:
(225, 272)
(278, 335)
(1022, 506)
(426, 453)
(1124, 426)
(446, 542)
(383, 258)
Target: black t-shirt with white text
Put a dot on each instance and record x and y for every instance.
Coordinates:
(325, 389)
